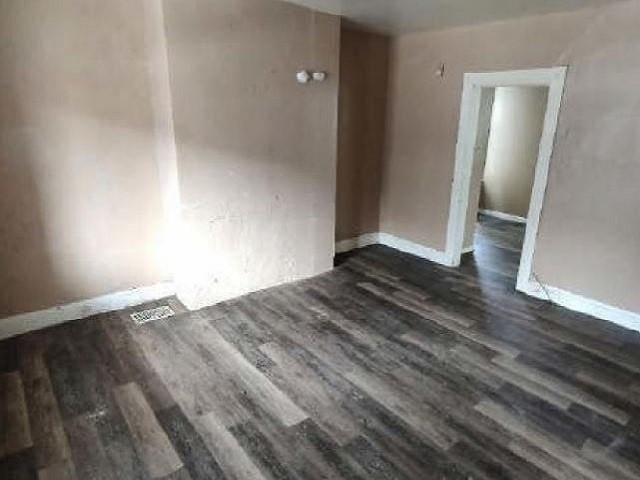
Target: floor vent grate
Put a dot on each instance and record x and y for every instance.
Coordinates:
(152, 314)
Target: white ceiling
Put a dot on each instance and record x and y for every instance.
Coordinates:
(401, 16)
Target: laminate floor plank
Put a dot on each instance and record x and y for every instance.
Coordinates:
(234, 461)
(406, 448)
(554, 446)
(50, 440)
(563, 389)
(199, 462)
(119, 336)
(150, 440)
(270, 461)
(237, 368)
(424, 418)
(193, 377)
(88, 453)
(387, 367)
(311, 395)
(64, 470)
(15, 431)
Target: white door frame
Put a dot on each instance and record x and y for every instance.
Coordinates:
(554, 79)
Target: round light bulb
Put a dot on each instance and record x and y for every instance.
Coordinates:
(303, 76)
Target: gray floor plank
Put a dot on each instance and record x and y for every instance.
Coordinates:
(150, 439)
(15, 431)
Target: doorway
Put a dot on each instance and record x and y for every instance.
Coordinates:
(475, 120)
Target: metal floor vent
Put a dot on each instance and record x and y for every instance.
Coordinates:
(152, 314)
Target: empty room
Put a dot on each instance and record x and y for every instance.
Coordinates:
(319, 239)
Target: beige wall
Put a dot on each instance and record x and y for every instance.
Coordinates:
(81, 211)
(516, 127)
(363, 94)
(256, 150)
(91, 200)
(589, 237)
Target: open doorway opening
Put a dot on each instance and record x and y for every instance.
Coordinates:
(497, 198)
(505, 156)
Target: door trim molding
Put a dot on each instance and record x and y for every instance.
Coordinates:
(554, 79)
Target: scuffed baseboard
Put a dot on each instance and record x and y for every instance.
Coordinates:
(27, 322)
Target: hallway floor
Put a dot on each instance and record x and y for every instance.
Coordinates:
(497, 246)
(388, 367)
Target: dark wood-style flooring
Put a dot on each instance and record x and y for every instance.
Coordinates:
(388, 367)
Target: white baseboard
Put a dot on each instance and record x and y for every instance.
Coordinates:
(416, 249)
(468, 249)
(503, 216)
(357, 242)
(392, 241)
(27, 322)
(578, 303)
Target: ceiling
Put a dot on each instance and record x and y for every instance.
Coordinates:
(402, 16)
